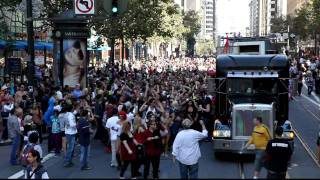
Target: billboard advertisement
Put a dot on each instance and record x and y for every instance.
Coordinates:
(74, 62)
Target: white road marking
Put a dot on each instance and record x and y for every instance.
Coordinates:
(311, 100)
(312, 93)
(21, 173)
(307, 148)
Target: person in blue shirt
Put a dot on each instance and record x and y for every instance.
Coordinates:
(56, 138)
(47, 116)
(77, 93)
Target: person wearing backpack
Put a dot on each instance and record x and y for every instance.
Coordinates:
(33, 140)
(35, 170)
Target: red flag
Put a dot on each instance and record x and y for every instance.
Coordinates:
(226, 46)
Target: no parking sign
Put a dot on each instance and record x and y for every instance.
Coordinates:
(84, 7)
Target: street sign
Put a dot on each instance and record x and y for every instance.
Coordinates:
(285, 35)
(84, 7)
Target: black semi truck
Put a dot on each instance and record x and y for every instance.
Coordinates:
(248, 86)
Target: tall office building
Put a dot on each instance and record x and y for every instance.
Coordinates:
(206, 10)
(209, 19)
(262, 12)
(254, 18)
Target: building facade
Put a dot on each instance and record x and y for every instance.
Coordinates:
(206, 10)
(262, 12)
(254, 18)
(209, 19)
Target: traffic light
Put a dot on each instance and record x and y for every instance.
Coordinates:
(114, 7)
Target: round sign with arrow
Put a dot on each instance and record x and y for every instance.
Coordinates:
(84, 7)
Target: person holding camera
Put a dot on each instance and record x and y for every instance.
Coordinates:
(153, 146)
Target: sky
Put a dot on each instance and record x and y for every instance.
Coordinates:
(232, 16)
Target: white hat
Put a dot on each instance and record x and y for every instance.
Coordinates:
(57, 108)
(4, 87)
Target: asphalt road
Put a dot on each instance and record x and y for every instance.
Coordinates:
(303, 113)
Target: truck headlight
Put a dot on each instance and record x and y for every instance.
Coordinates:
(288, 135)
(221, 133)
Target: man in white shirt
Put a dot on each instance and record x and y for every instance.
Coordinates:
(114, 131)
(70, 131)
(186, 149)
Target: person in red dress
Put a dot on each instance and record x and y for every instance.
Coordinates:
(127, 150)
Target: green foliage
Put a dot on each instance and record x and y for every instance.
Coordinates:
(54, 7)
(191, 20)
(307, 20)
(5, 6)
(205, 47)
(279, 25)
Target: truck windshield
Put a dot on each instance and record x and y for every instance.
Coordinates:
(244, 120)
(254, 86)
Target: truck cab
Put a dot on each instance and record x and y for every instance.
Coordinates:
(249, 86)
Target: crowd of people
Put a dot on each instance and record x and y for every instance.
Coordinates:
(140, 112)
(136, 111)
(306, 69)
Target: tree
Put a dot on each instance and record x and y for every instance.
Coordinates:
(8, 5)
(191, 21)
(279, 24)
(205, 47)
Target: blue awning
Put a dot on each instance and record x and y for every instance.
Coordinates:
(22, 45)
(2, 44)
(43, 45)
(103, 48)
(18, 45)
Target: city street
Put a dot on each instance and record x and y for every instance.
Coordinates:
(150, 79)
(304, 115)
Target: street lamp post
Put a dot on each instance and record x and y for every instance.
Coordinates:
(30, 32)
(30, 64)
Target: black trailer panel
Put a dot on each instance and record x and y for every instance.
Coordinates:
(277, 63)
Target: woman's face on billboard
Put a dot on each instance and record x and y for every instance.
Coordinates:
(72, 56)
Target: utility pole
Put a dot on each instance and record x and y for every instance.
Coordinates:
(30, 64)
(288, 45)
(122, 52)
(112, 50)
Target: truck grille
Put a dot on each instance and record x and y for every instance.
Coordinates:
(244, 121)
